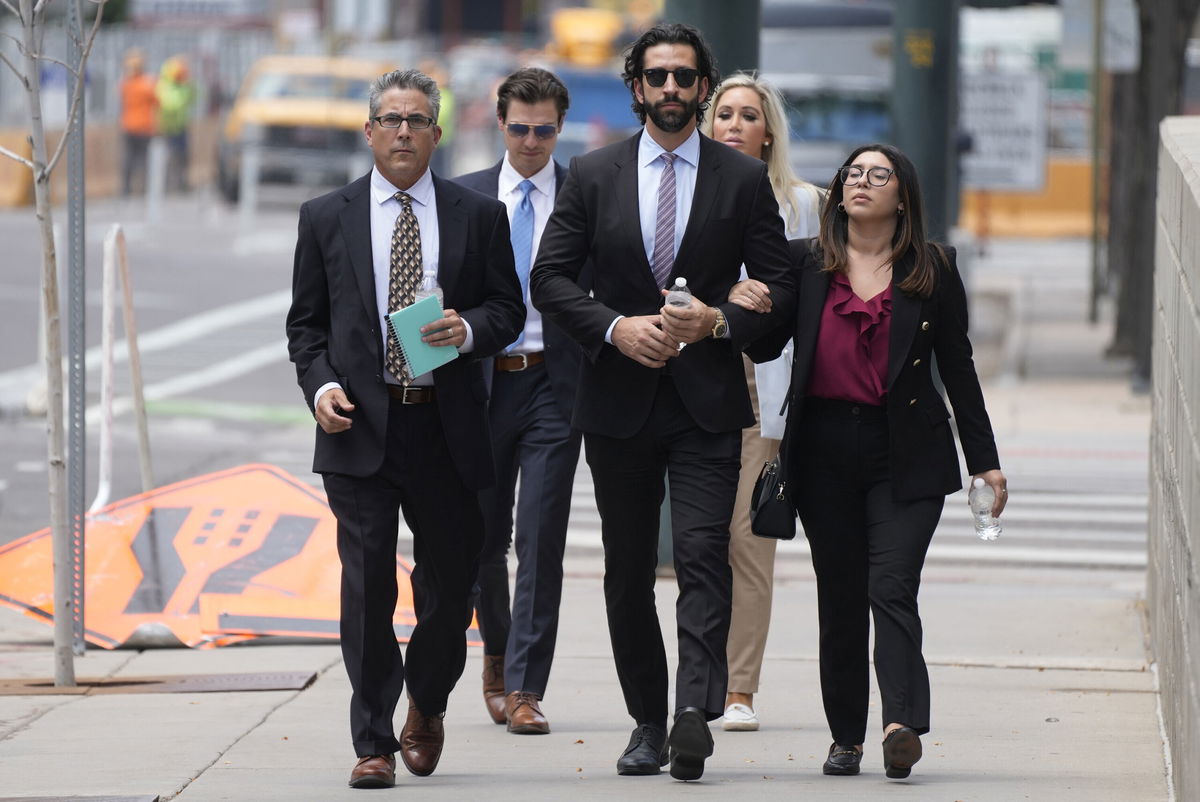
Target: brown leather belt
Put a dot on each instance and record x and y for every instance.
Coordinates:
(507, 364)
(412, 395)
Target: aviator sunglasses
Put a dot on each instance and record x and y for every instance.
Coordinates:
(657, 76)
(521, 130)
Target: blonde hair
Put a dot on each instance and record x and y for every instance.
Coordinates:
(784, 182)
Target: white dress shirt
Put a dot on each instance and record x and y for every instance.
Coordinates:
(384, 211)
(542, 198)
(650, 171)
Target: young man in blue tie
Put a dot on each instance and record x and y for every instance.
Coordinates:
(532, 393)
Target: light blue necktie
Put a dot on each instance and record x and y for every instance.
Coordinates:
(522, 243)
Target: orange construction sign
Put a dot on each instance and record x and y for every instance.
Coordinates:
(208, 561)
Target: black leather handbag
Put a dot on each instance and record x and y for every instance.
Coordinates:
(771, 512)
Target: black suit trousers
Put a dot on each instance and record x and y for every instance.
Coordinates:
(702, 469)
(530, 438)
(867, 551)
(417, 477)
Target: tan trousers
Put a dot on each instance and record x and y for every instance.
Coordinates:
(752, 559)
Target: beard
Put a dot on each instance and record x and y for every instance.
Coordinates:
(673, 121)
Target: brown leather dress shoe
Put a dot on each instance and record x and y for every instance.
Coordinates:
(421, 741)
(374, 771)
(493, 687)
(524, 715)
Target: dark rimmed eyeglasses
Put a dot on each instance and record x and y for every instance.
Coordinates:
(657, 76)
(876, 176)
(415, 121)
(521, 130)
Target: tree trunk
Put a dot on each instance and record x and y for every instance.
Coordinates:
(1165, 26)
(64, 660)
(1120, 189)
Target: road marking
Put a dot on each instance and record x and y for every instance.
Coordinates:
(217, 373)
(192, 328)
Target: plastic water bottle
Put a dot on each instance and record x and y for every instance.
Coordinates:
(981, 498)
(429, 286)
(679, 295)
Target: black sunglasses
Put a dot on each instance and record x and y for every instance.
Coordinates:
(521, 130)
(657, 76)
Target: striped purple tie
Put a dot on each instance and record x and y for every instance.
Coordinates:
(664, 223)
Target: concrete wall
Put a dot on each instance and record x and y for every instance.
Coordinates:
(1173, 588)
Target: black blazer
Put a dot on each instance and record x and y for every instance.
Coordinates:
(923, 459)
(333, 324)
(562, 353)
(734, 219)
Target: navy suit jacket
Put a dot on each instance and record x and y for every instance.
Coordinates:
(562, 353)
(333, 324)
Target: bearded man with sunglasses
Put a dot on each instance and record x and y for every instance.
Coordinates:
(532, 393)
(666, 203)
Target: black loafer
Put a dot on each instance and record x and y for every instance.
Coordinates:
(842, 761)
(646, 752)
(691, 742)
(901, 749)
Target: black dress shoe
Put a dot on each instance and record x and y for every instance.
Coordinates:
(691, 742)
(646, 752)
(901, 749)
(842, 760)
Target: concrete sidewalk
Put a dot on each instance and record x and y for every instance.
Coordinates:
(1041, 690)
(1041, 683)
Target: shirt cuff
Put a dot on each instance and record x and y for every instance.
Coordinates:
(469, 343)
(324, 388)
(611, 326)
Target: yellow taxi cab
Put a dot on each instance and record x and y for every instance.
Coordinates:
(304, 115)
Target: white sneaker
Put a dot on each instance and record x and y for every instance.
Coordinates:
(739, 718)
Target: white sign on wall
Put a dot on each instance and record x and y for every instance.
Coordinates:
(1005, 116)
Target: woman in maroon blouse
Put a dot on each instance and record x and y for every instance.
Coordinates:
(869, 452)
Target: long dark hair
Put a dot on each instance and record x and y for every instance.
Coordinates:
(909, 239)
(671, 33)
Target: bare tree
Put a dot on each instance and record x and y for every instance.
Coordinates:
(1140, 102)
(31, 16)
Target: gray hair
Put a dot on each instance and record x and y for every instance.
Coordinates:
(406, 79)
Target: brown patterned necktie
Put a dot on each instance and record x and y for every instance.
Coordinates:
(403, 279)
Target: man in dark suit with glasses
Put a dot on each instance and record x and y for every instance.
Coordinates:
(388, 440)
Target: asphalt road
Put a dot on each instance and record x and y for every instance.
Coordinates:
(210, 298)
(211, 293)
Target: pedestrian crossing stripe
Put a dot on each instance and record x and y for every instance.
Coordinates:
(212, 560)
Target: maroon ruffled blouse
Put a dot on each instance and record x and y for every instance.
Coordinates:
(851, 359)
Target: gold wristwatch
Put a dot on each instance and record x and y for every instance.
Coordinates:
(720, 326)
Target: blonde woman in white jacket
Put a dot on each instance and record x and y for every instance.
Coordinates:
(747, 114)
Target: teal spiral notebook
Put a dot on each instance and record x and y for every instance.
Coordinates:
(406, 323)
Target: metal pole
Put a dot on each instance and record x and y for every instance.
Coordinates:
(156, 178)
(76, 342)
(108, 283)
(135, 367)
(248, 184)
(1097, 110)
(924, 100)
(732, 30)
